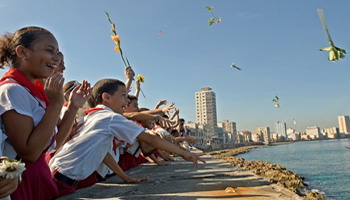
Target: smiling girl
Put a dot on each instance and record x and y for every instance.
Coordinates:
(29, 113)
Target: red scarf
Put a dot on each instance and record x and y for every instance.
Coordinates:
(36, 90)
(91, 110)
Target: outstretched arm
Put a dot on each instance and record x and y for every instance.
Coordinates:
(162, 144)
(113, 165)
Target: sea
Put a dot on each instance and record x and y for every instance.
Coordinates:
(325, 164)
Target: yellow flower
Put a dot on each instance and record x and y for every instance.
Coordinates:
(140, 78)
(115, 38)
(117, 48)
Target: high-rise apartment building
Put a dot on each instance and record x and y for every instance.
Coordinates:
(281, 128)
(265, 131)
(206, 109)
(344, 124)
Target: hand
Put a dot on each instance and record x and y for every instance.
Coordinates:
(7, 186)
(168, 108)
(163, 163)
(129, 73)
(161, 102)
(80, 94)
(163, 122)
(192, 157)
(54, 89)
(135, 180)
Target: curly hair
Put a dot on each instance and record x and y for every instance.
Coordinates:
(26, 37)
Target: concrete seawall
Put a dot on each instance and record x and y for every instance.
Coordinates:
(181, 180)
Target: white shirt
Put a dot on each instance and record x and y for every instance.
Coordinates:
(84, 153)
(16, 97)
(162, 132)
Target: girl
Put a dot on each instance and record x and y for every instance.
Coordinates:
(29, 113)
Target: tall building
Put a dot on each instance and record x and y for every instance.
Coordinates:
(206, 109)
(265, 133)
(281, 128)
(344, 124)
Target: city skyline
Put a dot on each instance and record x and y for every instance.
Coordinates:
(274, 43)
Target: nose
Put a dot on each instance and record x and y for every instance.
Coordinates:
(57, 58)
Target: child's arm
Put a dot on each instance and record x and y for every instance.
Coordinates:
(161, 102)
(113, 165)
(162, 144)
(77, 98)
(129, 76)
(137, 88)
(27, 140)
(160, 110)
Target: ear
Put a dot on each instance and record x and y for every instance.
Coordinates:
(105, 97)
(21, 52)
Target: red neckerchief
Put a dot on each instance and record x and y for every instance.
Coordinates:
(88, 111)
(91, 110)
(36, 90)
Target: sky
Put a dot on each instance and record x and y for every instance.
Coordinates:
(275, 42)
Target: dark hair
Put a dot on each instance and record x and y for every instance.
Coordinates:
(181, 120)
(8, 42)
(69, 86)
(143, 109)
(109, 86)
(132, 97)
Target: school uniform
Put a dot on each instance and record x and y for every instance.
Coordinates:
(80, 157)
(19, 94)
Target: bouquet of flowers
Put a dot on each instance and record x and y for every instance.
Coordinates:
(11, 168)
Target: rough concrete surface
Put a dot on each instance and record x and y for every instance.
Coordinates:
(181, 180)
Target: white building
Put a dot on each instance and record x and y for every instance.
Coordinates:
(344, 124)
(313, 132)
(230, 129)
(206, 110)
(281, 128)
(332, 132)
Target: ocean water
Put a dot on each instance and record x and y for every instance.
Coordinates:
(324, 164)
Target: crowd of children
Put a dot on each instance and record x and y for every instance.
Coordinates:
(62, 153)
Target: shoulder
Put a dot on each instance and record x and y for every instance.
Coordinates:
(13, 88)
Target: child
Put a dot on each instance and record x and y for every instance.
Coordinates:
(101, 125)
(33, 54)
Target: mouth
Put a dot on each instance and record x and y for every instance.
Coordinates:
(51, 66)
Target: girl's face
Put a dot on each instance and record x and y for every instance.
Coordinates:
(118, 100)
(41, 59)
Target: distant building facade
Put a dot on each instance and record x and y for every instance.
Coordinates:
(281, 128)
(313, 132)
(206, 110)
(344, 124)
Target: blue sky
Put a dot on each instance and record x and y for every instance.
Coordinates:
(275, 42)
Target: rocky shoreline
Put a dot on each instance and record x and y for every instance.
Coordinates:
(275, 173)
